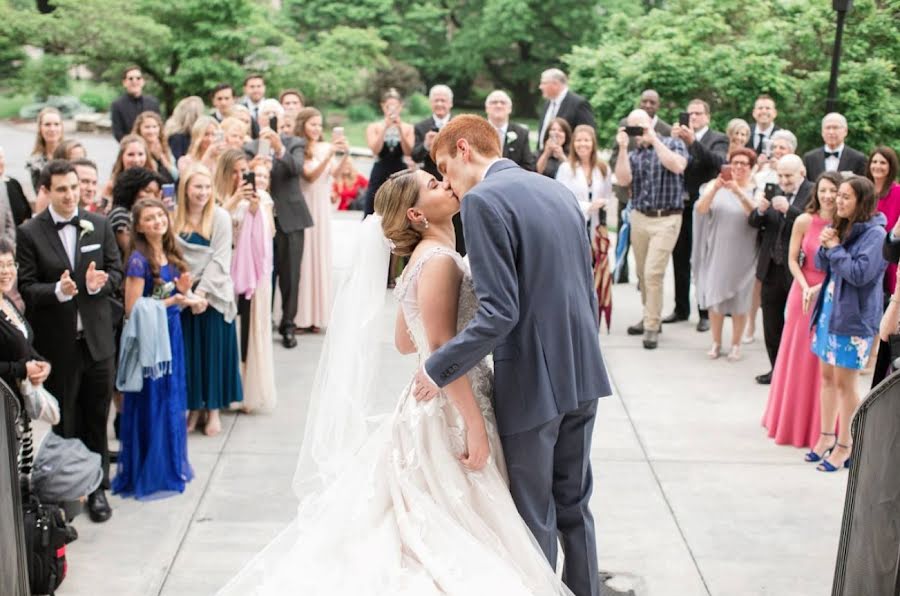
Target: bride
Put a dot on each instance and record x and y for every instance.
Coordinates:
(414, 502)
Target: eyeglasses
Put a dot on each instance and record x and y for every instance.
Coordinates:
(8, 266)
(696, 113)
(742, 164)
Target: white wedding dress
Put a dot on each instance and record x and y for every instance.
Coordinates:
(405, 517)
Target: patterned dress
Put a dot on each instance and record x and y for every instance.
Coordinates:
(846, 351)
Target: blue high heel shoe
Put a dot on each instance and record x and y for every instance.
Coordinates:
(813, 457)
(826, 466)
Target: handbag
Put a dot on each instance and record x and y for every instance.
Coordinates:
(39, 403)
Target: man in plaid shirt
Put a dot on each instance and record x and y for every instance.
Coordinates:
(654, 172)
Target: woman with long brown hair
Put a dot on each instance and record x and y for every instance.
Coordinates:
(149, 126)
(49, 135)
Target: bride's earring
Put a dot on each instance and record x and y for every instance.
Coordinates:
(425, 221)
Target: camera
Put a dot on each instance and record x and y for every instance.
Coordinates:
(634, 131)
(771, 191)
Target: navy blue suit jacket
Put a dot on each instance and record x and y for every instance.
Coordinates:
(531, 265)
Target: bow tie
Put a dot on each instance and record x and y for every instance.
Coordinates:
(832, 154)
(72, 222)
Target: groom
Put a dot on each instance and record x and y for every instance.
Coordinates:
(531, 265)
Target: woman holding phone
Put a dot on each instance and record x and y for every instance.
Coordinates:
(557, 141)
(314, 301)
(391, 140)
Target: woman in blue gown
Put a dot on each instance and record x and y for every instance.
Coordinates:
(153, 457)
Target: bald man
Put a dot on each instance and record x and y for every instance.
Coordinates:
(775, 219)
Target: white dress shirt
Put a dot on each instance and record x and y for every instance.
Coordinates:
(832, 163)
(698, 134)
(69, 238)
(552, 111)
(600, 188)
(439, 123)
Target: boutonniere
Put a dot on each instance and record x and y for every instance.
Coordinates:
(86, 228)
(511, 136)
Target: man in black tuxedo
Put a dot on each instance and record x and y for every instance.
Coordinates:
(649, 102)
(775, 219)
(513, 137)
(292, 215)
(69, 268)
(708, 150)
(441, 99)
(834, 156)
(764, 114)
(561, 103)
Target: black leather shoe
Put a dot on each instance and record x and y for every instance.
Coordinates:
(288, 341)
(703, 325)
(98, 507)
(675, 318)
(765, 379)
(637, 329)
(113, 457)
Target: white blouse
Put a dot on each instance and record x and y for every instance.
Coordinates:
(600, 188)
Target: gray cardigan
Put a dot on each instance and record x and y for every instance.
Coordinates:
(211, 265)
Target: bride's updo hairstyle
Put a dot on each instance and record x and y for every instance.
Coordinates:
(397, 195)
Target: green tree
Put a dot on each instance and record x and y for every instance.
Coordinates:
(723, 52)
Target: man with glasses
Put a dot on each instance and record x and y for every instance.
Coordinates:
(707, 151)
(124, 111)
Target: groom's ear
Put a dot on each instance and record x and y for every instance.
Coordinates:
(462, 147)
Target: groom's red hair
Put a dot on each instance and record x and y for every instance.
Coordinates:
(476, 130)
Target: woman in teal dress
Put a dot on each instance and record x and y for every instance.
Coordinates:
(153, 457)
(210, 336)
(848, 309)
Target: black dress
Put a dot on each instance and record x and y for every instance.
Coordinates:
(15, 349)
(390, 160)
(18, 204)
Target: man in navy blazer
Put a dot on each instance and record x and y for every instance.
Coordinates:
(531, 266)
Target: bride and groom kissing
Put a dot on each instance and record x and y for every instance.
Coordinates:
(480, 471)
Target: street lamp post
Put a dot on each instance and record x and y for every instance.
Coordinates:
(842, 7)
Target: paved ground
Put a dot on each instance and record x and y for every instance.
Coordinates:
(691, 497)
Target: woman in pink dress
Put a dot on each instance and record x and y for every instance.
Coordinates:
(314, 301)
(792, 414)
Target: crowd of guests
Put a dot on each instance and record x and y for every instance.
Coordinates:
(155, 292)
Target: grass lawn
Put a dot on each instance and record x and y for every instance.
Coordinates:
(11, 104)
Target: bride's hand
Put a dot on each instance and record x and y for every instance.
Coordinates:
(477, 447)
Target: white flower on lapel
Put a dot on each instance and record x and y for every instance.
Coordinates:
(511, 136)
(86, 228)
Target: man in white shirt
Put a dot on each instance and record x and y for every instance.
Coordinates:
(834, 156)
(513, 138)
(764, 114)
(441, 99)
(561, 103)
(254, 94)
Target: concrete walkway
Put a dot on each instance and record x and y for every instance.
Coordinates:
(691, 497)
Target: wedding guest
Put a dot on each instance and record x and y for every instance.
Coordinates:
(440, 97)
(222, 98)
(849, 308)
(70, 149)
(87, 179)
(349, 185)
(725, 250)
(234, 132)
(149, 126)
(774, 219)
(513, 137)
(69, 266)
(250, 207)
(834, 156)
(133, 153)
(561, 102)
(783, 143)
(287, 124)
(15, 196)
(48, 138)
(178, 127)
(882, 171)
(792, 414)
(292, 216)
(131, 186)
(321, 158)
(153, 457)
(254, 94)
(391, 141)
(738, 133)
(708, 151)
(210, 341)
(207, 142)
(125, 109)
(291, 100)
(556, 146)
(890, 322)
(242, 113)
(655, 172)
(589, 178)
(764, 115)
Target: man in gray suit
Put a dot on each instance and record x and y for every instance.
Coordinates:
(292, 216)
(531, 266)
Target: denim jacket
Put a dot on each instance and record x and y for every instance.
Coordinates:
(857, 268)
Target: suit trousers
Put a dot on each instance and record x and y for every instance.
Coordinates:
(288, 255)
(83, 386)
(551, 483)
(775, 289)
(681, 263)
(653, 239)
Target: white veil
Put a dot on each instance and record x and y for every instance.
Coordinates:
(342, 397)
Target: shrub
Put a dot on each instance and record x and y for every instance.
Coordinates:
(361, 112)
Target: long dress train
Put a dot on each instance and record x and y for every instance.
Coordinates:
(406, 518)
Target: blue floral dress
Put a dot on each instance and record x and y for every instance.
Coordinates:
(846, 351)
(153, 459)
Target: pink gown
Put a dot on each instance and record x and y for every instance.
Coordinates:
(792, 414)
(314, 298)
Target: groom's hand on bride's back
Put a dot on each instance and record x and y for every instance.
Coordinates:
(424, 388)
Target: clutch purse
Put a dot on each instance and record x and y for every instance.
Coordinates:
(40, 403)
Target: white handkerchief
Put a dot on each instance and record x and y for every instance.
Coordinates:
(90, 247)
